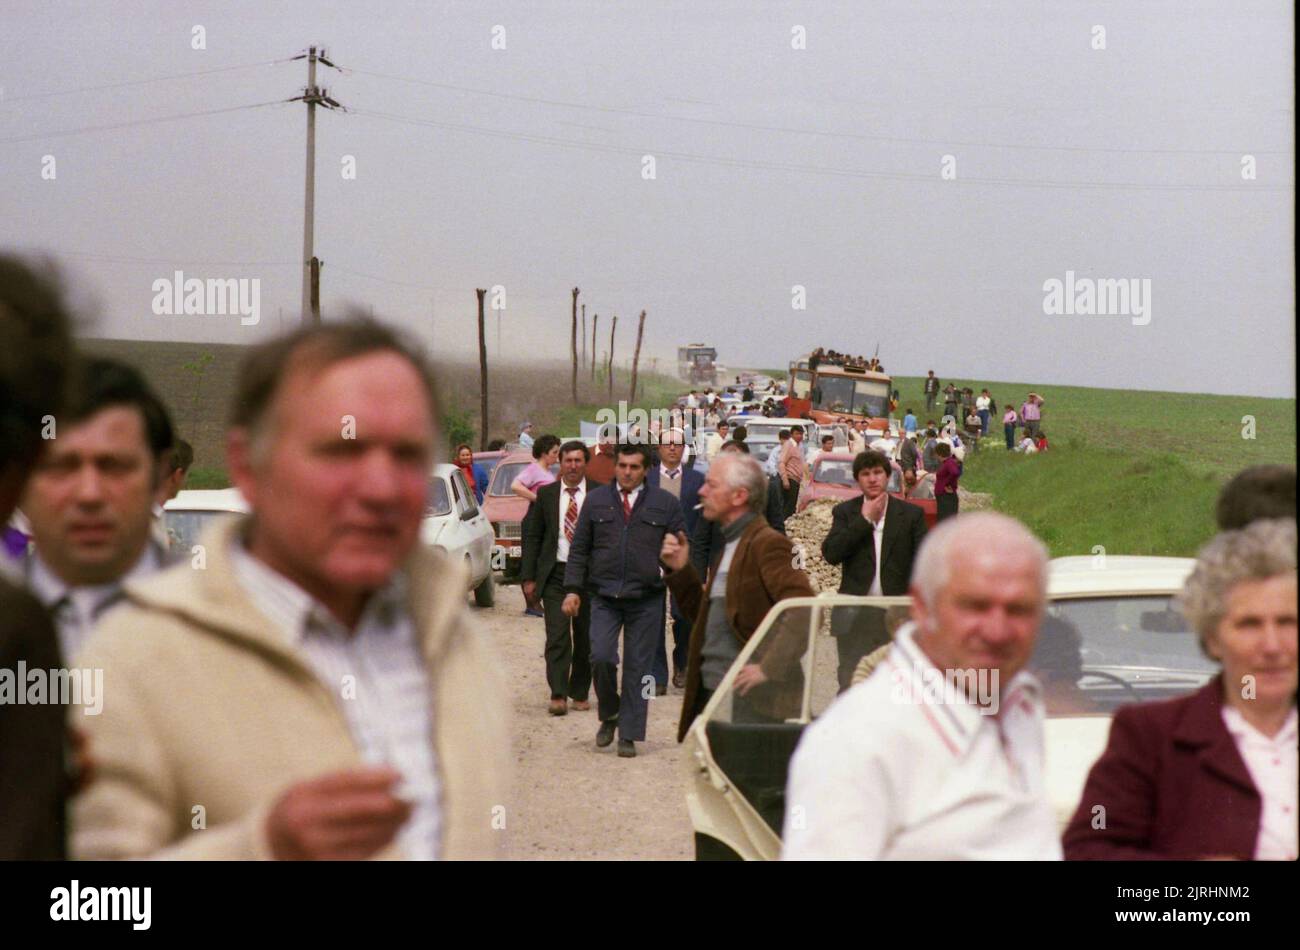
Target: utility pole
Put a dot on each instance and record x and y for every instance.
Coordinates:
(482, 376)
(573, 345)
(313, 96)
(636, 357)
(595, 325)
(314, 292)
(584, 336)
(612, 331)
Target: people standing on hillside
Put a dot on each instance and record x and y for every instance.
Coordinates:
(1031, 414)
(945, 482)
(909, 422)
(982, 410)
(950, 398)
(909, 456)
(931, 391)
(526, 435)
(1009, 427)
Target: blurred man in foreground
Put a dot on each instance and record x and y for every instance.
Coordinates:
(312, 688)
(939, 754)
(35, 360)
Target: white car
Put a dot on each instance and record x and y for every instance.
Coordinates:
(1110, 637)
(452, 522)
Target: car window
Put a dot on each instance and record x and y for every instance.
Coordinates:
(184, 528)
(465, 498)
(438, 502)
(834, 472)
(502, 478)
(1097, 653)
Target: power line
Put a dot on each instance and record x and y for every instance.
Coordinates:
(171, 262)
(141, 82)
(135, 122)
(857, 136)
(729, 162)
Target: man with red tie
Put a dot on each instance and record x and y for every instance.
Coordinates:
(613, 565)
(547, 534)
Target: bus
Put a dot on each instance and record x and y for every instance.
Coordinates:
(835, 391)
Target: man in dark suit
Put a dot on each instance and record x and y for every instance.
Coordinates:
(674, 478)
(614, 563)
(548, 530)
(874, 538)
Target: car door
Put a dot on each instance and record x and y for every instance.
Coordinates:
(476, 531)
(738, 750)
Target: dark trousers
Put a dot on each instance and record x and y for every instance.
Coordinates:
(929, 402)
(641, 622)
(945, 506)
(857, 631)
(568, 641)
(1009, 429)
(681, 641)
(790, 497)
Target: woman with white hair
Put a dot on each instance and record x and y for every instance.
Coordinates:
(1212, 774)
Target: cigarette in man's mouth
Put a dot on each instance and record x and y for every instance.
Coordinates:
(698, 507)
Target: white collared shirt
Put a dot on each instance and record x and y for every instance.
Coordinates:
(885, 775)
(877, 538)
(562, 547)
(76, 609)
(377, 676)
(1272, 764)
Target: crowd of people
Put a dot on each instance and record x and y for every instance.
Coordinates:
(308, 681)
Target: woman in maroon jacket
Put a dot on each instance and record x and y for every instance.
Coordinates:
(945, 481)
(1212, 774)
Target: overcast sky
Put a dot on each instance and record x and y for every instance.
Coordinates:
(775, 167)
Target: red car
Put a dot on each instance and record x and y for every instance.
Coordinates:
(505, 510)
(832, 477)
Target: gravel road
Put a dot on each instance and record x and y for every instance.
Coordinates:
(573, 801)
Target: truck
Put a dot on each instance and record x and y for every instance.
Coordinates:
(697, 364)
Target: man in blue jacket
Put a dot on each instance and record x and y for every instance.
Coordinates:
(614, 560)
(684, 483)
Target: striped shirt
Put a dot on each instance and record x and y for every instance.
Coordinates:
(378, 677)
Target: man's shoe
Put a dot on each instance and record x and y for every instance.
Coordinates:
(581, 705)
(558, 707)
(605, 734)
(533, 612)
(626, 749)
(661, 689)
(679, 679)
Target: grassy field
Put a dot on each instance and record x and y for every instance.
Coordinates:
(1134, 472)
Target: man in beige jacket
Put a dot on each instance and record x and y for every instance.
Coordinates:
(308, 685)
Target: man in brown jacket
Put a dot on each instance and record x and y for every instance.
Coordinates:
(748, 574)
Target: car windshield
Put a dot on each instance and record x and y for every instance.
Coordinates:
(836, 472)
(438, 501)
(1096, 653)
(505, 474)
(864, 397)
(184, 527)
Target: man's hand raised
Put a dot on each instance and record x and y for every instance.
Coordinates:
(874, 509)
(676, 551)
(346, 816)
